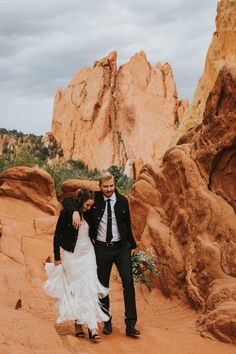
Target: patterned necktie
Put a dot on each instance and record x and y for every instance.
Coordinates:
(109, 222)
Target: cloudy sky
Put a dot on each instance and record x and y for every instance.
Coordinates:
(44, 43)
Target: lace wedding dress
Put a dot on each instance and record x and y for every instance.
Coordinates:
(75, 284)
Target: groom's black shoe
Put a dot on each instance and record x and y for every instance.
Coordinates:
(132, 332)
(107, 329)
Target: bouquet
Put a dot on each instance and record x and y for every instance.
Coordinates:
(144, 264)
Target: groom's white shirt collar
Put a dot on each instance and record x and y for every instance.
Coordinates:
(112, 198)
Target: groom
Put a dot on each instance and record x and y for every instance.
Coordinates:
(111, 233)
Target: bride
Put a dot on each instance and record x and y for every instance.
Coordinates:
(73, 280)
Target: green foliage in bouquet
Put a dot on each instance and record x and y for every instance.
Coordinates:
(144, 264)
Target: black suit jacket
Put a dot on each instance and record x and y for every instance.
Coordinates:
(94, 215)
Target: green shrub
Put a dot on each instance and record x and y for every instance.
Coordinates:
(60, 174)
(116, 171)
(33, 153)
(43, 153)
(3, 131)
(77, 164)
(124, 184)
(25, 157)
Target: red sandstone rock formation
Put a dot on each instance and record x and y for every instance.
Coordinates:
(13, 143)
(4, 141)
(221, 51)
(28, 316)
(69, 187)
(30, 184)
(186, 212)
(107, 116)
(28, 213)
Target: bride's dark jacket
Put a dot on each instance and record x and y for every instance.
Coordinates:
(65, 234)
(94, 216)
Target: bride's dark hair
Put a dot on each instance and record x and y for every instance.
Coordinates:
(81, 196)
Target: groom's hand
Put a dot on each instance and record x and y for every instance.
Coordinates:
(76, 220)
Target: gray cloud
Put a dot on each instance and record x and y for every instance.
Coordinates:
(44, 43)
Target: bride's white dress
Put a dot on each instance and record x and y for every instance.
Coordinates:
(75, 284)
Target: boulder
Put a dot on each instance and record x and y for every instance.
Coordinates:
(30, 184)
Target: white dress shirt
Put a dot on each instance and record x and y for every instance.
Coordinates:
(102, 229)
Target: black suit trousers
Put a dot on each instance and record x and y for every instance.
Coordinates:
(121, 257)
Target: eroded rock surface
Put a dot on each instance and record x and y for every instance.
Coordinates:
(26, 314)
(222, 50)
(107, 116)
(30, 184)
(185, 211)
(69, 187)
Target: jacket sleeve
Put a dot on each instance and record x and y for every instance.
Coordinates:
(58, 235)
(131, 239)
(88, 218)
(69, 206)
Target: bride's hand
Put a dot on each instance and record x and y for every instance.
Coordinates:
(76, 219)
(57, 263)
